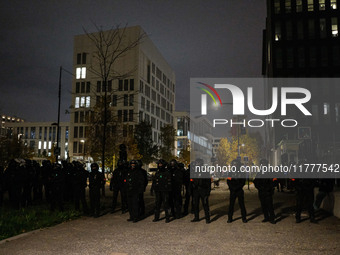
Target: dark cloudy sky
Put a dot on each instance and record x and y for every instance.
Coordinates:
(215, 38)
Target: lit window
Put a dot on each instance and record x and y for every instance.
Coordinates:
(322, 5)
(325, 108)
(76, 104)
(298, 5)
(39, 145)
(49, 145)
(80, 73)
(333, 4)
(335, 27)
(337, 112)
(277, 32)
(82, 101)
(88, 101)
(45, 145)
(310, 5)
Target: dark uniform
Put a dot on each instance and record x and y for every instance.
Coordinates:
(325, 187)
(2, 185)
(117, 185)
(177, 176)
(79, 186)
(46, 172)
(188, 193)
(135, 186)
(161, 184)
(13, 180)
(95, 183)
(236, 181)
(141, 195)
(57, 187)
(265, 188)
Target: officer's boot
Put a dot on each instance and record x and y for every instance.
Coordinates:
(167, 216)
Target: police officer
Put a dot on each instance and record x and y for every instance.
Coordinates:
(304, 192)
(177, 175)
(161, 184)
(265, 187)
(57, 187)
(141, 195)
(46, 172)
(117, 185)
(188, 193)
(135, 186)
(95, 183)
(201, 188)
(79, 185)
(236, 181)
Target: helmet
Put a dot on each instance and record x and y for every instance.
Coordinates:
(264, 162)
(173, 163)
(161, 163)
(94, 167)
(133, 163)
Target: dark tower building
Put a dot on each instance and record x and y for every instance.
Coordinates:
(301, 40)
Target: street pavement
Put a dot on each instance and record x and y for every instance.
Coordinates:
(112, 234)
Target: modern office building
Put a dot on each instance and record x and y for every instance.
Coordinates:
(195, 133)
(41, 137)
(301, 40)
(5, 119)
(140, 87)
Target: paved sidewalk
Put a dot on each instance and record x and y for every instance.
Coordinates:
(112, 234)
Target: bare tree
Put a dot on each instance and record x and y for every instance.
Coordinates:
(110, 46)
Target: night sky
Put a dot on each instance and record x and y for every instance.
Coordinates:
(198, 39)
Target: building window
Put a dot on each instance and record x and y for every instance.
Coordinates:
(88, 87)
(120, 115)
(310, 5)
(335, 27)
(322, 5)
(289, 30)
(76, 103)
(326, 112)
(299, 29)
(114, 100)
(32, 133)
(125, 131)
(131, 99)
(78, 58)
(75, 132)
(98, 86)
(311, 29)
(126, 85)
(81, 117)
(143, 103)
(75, 147)
(333, 4)
(298, 5)
(277, 6)
(81, 132)
(77, 87)
(312, 57)
(277, 33)
(288, 6)
(109, 86)
(130, 115)
(82, 87)
(301, 57)
(82, 101)
(323, 31)
(126, 100)
(148, 105)
(337, 112)
(132, 84)
(80, 73)
(88, 101)
(76, 117)
(120, 85)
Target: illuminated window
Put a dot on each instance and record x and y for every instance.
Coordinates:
(80, 73)
(45, 145)
(337, 112)
(88, 101)
(277, 6)
(310, 5)
(333, 4)
(39, 145)
(322, 5)
(49, 145)
(323, 31)
(326, 112)
(76, 104)
(288, 6)
(277, 31)
(335, 27)
(82, 101)
(298, 5)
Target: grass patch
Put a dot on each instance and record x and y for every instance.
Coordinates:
(14, 222)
